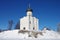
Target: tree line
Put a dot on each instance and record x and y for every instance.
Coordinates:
(10, 25)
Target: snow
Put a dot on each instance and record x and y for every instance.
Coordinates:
(13, 34)
(50, 35)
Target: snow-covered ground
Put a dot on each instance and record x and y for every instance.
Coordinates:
(13, 34)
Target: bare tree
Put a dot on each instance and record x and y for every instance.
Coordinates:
(0, 30)
(58, 28)
(10, 24)
(17, 25)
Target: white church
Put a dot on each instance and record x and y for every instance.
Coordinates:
(29, 22)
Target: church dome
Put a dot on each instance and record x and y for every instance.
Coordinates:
(29, 9)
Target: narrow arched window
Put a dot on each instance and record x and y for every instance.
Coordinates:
(24, 28)
(33, 28)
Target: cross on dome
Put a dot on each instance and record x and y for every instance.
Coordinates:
(29, 8)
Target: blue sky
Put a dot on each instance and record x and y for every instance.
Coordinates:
(47, 11)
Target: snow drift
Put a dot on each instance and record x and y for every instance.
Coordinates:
(13, 34)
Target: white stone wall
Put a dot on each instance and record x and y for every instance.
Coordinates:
(24, 22)
(35, 23)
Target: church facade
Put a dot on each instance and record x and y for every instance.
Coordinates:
(29, 22)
